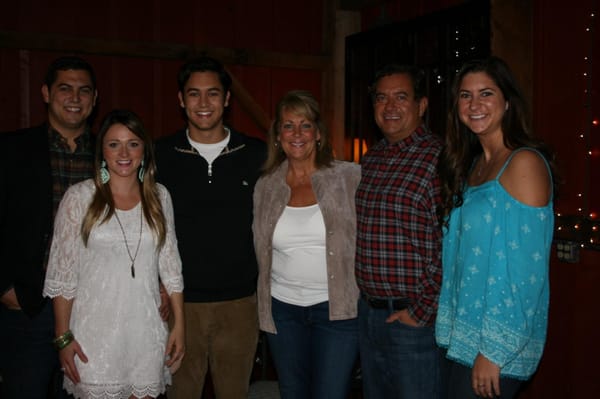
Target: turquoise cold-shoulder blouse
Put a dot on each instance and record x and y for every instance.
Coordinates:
(495, 291)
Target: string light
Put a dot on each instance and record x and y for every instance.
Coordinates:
(582, 230)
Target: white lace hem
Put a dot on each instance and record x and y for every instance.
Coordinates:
(173, 285)
(117, 391)
(55, 288)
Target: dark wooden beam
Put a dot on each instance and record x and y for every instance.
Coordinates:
(158, 50)
(357, 5)
(256, 112)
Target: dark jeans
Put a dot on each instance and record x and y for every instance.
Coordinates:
(460, 386)
(397, 360)
(28, 361)
(313, 355)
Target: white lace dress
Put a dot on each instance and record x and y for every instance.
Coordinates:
(115, 317)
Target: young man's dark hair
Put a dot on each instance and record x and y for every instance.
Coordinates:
(203, 64)
(65, 64)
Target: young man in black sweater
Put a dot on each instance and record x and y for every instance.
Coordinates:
(210, 171)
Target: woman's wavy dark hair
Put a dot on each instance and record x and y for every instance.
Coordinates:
(462, 146)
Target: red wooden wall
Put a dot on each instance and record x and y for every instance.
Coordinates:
(146, 85)
(562, 42)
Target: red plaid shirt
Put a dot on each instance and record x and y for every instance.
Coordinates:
(398, 248)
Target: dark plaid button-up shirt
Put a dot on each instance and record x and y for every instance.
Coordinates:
(68, 167)
(398, 249)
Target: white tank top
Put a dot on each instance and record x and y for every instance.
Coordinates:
(299, 270)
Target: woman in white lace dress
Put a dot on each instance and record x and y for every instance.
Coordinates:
(113, 238)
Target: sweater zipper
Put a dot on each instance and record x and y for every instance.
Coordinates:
(227, 150)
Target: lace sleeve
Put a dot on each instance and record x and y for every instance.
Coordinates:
(169, 262)
(65, 251)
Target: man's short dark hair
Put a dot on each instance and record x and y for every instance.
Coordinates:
(203, 64)
(416, 74)
(66, 64)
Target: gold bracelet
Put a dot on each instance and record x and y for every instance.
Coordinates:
(62, 341)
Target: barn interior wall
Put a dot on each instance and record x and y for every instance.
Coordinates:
(546, 42)
(145, 81)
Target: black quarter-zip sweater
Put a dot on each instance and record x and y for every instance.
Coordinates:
(213, 214)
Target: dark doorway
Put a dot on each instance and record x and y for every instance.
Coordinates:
(440, 43)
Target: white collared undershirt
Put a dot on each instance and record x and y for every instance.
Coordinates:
(211, 151)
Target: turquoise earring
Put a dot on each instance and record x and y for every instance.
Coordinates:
(104, 175)
(141, 172)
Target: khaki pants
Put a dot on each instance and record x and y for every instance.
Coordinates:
(223, 335)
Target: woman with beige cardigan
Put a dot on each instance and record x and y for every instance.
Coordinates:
(304, 234)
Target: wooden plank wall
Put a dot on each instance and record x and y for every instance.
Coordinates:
(137, 46)
(272, 46)
(566, 49)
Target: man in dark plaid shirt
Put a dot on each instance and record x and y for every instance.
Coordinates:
(37, 166)
(398, 250)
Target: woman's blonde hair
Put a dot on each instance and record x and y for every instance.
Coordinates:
(301, 103)
(102, 206)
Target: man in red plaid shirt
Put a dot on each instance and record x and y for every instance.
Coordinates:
(398, 251)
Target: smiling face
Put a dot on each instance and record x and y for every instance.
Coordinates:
(204, 102)
(123, 152)
(397, 112)
(481, 104)
(70, 99)
(298, 137)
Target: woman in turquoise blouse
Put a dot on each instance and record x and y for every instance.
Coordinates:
(498, 224)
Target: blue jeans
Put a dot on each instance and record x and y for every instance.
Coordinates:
(460, 386)
(397, 361)
(313, 356)
(28, 360)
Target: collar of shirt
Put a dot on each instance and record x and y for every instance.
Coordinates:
(394, 148)
(59, 143)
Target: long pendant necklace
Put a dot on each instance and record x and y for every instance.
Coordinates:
(137, 248)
